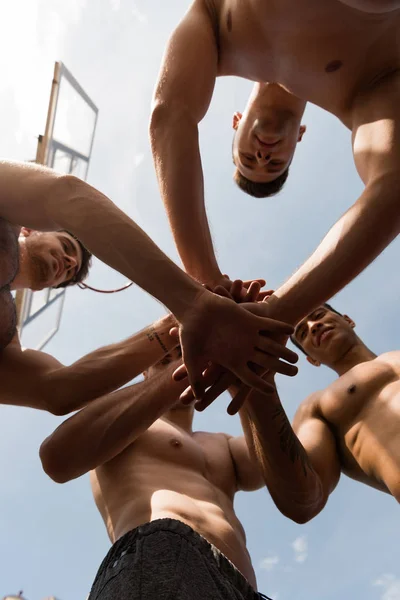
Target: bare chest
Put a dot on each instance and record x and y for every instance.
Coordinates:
(170, 449)
(363, 408)
(321, 51)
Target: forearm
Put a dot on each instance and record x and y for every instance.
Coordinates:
(118, 241)
(102, 430)
(292, 482)
(175, 145)
(349, 247)
(70, 388)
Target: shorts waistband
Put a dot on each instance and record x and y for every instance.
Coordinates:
(127, 545)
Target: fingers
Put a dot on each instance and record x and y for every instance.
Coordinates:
(221, 291)
(187, 396)
(238, 400)
(195, 373)
(273, 326)
(236, 290)
(251, 379)
(248, 282)
(180, 373)
(174, 333)
(273, 364)
(266, 344)
(220, 385)
(264, 295)
(253, 292)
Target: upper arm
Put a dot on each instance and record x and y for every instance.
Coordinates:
(248, 474)
(319, 443)
(376, 131)
(27, 192)
(24, 377)
(189, 66)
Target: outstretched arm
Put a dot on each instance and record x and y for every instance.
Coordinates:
(181, 99)
(37, 197)
(370, 224)
(299, 471)
(38, 380)
(102, 430)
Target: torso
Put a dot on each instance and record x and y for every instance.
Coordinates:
(323, 52)
(168, 473)
(363, 410)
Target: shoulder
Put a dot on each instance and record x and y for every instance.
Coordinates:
(310, 407)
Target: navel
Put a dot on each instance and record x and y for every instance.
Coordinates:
(333, 66)
(229, 21)
(352, 389)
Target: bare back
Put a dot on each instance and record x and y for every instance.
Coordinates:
(167, 473)
(362, 409)
(324, 52)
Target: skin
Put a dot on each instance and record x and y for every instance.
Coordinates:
(351, 427)
(148, 463)
(38, 380)
(46, 259)
(44, 200)
(342, 56)
(267, 133)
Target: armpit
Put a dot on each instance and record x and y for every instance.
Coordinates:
(8, 318)
(8, 253)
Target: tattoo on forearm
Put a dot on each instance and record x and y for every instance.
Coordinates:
(153, 335)
(289, 442)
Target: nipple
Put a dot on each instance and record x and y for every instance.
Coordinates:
(176, 443)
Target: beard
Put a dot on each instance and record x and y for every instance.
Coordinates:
(38, 270)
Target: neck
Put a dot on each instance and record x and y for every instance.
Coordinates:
(182, 417)
(356, 355)
(22, 279)
(274, 94)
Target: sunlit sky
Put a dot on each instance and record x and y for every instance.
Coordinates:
(51, 538)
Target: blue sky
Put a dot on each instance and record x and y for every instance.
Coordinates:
(51, 538)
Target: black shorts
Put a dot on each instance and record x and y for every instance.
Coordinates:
(167, 560)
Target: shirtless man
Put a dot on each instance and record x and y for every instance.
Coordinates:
(165, 492)
(351, 427)
(43, 200)
(38, 380)
(343, 56)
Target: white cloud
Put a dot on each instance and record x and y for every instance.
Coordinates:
(115, 5)
(138, 14)
(391, 586)
(269, 563)
(300, 547)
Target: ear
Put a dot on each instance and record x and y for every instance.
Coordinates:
(313, 362)
(25, 232)
(237, 117)
(302, 131)
(349, 321)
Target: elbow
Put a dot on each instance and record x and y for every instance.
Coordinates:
(167, 118)
(52, 462)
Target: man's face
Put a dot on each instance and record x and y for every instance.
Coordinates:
(55, 257)
(263, 148)
(325, 336)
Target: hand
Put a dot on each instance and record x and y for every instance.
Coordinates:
(238, 290)
(216, 330)
(244, 291)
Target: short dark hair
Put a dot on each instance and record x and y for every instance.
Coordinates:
(296, 343)
(82, 273)
(260, 189)
(8, 317)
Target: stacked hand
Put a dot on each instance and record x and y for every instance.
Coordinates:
(224, 343)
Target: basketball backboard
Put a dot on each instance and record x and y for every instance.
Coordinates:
(66, 147)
